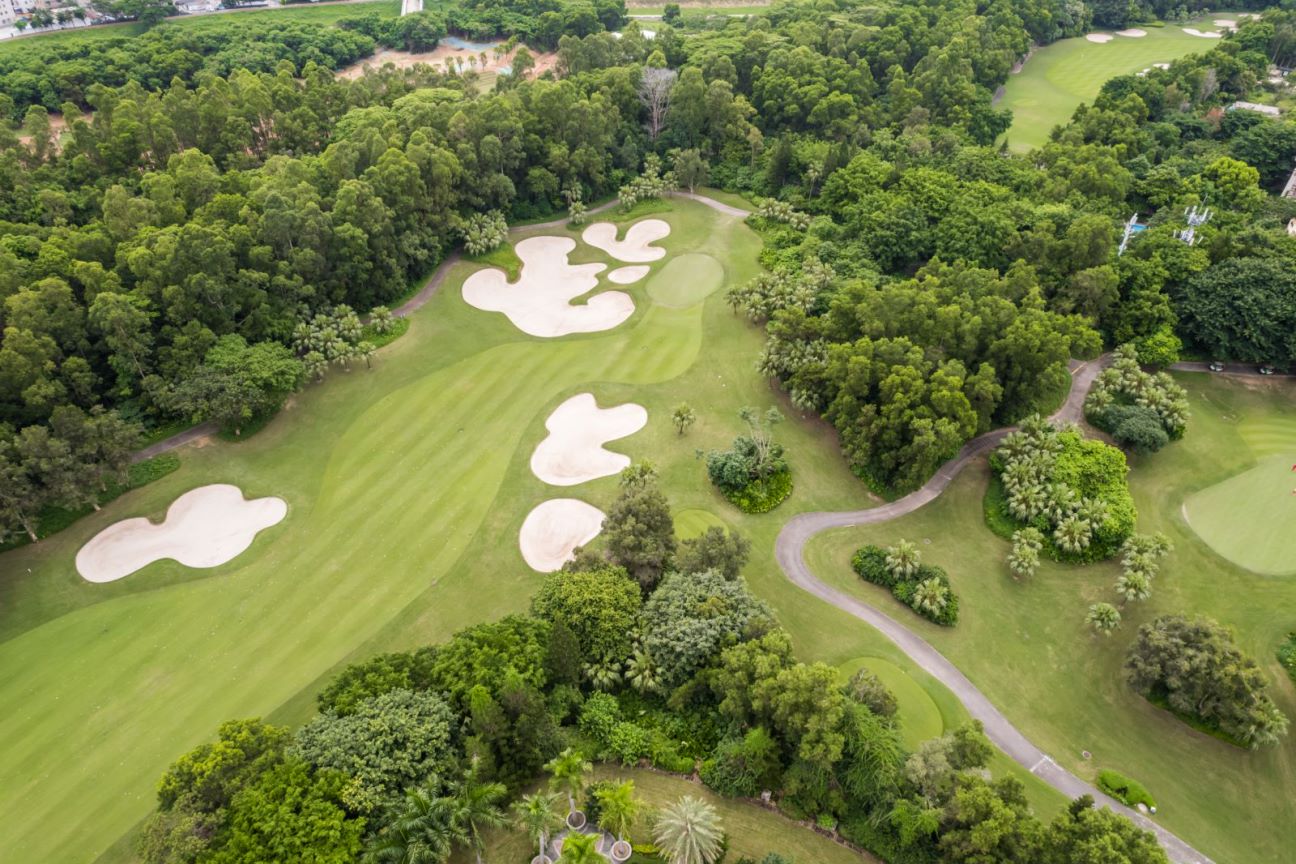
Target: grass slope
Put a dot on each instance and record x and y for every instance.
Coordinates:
(1026, 646)
(1059, 77)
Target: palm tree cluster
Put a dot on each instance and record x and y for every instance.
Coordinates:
(484, 232)
(650, 184)
(332, 336)
(782, 211)
(770, 293)
(1024, 558)
(1140, 561)
(426, 826)
(1029, 456)
(1125, 382)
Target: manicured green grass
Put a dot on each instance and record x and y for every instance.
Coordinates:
(323, 13)
(919, 717)
(1025, 643)
(407, 485)
(1250, 518)
(685, 280)
(694, 523)
(1060, 76)
(753, 831)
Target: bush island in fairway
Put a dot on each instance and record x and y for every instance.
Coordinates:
(752, 473)
(924, 588)
(1130, 792)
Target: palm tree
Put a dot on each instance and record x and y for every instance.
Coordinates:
(930, 596)
(535, 815)
(476, 808)
(642, 672)
(683, 417)
(688, 832)
(1134, 585)
(422, 829)
(1103, 617)
(581, 849)
(902, 559)
(569, 769)
(1073, 534)
(617, 808)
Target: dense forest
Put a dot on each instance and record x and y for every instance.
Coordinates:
(680, 666)
(214, 209)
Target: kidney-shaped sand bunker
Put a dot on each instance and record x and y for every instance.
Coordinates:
(204, 527)
(573, 451)
(552, 531)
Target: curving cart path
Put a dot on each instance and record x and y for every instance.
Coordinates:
(790, 545)
(789, 550)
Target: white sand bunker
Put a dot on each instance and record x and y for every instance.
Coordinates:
(1209, 34)
(1099, 37)
(635, 248)
(204, 527)
(539, 303)
(1226, 23)
(573, 453)
(1133, 33)
(553, 530)
(628, 275)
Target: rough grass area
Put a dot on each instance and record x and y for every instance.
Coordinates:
(1060, 76)
(1026, 646)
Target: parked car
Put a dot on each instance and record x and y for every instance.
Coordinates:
(1216, 366)
(1266, 370)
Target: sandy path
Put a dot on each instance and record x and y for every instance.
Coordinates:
(552, 531)
(539, 303)
(573, 453)
(636, 248)
(204, 527)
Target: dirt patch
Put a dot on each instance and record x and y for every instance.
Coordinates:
(448, 58)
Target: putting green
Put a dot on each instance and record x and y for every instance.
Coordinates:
(686, 280)
(695, 522)
(920, 719)
(1059, 77)
(1250, 518)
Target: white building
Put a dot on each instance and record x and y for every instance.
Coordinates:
(1270, 110)
(8, 12)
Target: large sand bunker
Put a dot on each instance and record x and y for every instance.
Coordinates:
(553, 530)
(573, 453)
(539, 303)
(1099, 37)
(1133, 33)
(204, 527)
(1209, 34)
(635, 248)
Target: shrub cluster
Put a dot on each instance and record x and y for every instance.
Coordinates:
(1141, 411)
(752, 474)
(1287, 655)
(1073, 490)
(1129, 792)
(870, 562)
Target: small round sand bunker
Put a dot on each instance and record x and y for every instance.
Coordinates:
(1132, 33)
(552, 531)
(636, 248)
(573, 453)
(628, 275)
(204, 527)
(539, 303)
(1100, 38)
